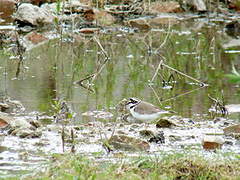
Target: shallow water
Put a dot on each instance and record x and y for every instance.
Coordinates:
(50, 70)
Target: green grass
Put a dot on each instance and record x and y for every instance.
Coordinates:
(177, 166)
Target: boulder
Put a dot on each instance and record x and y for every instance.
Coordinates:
(33, 15)
(20, 126)
(26, 133)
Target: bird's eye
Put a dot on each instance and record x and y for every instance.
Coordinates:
(132, 101)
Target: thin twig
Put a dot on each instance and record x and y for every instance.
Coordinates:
(183, 74)
(83, 85)
(99, 69)
(166, 37)
(73, 141)
(156, 72)
(175, 70)
(63, 138)
(80, 82)
(101, 47)
(155, 93)
(172, 98)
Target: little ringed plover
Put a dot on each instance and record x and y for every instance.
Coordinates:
(143, 111)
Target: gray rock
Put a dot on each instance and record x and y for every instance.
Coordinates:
(126, 143)
(199, 5)
(34, 15)
(26, 133)
(11, 106)
(165, 123)
(20, 126)
(146, 133)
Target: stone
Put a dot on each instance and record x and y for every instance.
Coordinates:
(148, 23)
(35, 37)
(5, 120)
(26, 133)
(11, 106)
(7, 8)
(146, 133)
(34, 15)
(158, 138)
(234, 4)
(89, 30)
(35, 123)
(232, 129)
(104, 18)
(164, 123)
(140, 23)
(20, 126)
(212, 142)
(164, 20)
(126, 143)
(165, 7)
(198, 5)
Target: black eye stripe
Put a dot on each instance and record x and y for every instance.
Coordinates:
(133, 101)
(132, 107)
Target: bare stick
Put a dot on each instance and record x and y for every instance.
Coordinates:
(166, 37)
(183, 74)
(155, 74)
(84, 79)
(172, 98)
(99, 69)
(101, 47)
(73, 141)
(155, 93)
(63, 138)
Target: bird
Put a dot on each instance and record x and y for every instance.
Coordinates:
(143, 111)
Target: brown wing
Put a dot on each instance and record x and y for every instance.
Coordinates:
(147, 108)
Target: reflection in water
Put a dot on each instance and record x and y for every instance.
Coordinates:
(52, 71)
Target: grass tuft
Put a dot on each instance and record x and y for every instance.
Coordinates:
(176, 166)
